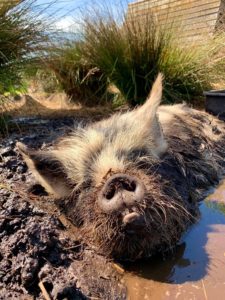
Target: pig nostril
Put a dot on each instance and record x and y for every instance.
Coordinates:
(120, 191)
(110, 193)
(119, 185)
(129, 186)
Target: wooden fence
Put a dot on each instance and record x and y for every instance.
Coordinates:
(196, 17)
(9, 2)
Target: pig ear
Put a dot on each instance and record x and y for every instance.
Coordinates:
(154, 99)
(148, 114)
(47, 169)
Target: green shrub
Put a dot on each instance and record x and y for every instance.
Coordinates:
(48, 81)
(82, 81)
(41, 78)
(131, 53)
(21, 36)
(4, 117)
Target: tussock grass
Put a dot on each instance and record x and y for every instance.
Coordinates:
(21, 36)
(132, 52)
(82, 81)
(110, 49)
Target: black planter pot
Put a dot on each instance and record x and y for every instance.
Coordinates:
(215, 103)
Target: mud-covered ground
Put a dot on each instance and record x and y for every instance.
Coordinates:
(41, 255)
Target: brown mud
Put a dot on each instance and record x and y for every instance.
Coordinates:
(39, 248)
(196, 270)
(40, 254)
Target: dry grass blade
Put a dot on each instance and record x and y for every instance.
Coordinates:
(204, 290)
(118, 268)
(43, 290)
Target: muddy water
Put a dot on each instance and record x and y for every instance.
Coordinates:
(197, 268)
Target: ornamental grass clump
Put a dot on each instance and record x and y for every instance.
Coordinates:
(22, 34)
(132, 52)
(82, 81)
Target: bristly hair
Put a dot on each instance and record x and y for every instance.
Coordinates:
(166, 217)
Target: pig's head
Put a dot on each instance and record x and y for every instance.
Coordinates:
(105, 179)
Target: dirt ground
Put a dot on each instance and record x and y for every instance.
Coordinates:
(41, 255)
(56, 105)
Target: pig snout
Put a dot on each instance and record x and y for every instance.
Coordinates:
(119, 193)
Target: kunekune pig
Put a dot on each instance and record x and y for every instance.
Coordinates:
(132, 182)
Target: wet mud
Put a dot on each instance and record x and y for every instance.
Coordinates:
(40, 253)
(196, 269)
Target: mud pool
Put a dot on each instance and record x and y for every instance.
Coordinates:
(197, 268)
(37, 247)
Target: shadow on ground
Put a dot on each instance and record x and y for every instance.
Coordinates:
(55, 106)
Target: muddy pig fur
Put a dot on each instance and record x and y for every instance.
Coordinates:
(132, 182)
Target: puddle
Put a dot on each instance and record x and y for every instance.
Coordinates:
(29, 120)
(197, 268)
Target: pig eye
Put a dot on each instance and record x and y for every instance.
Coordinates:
(138, 153)
(133, 154)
